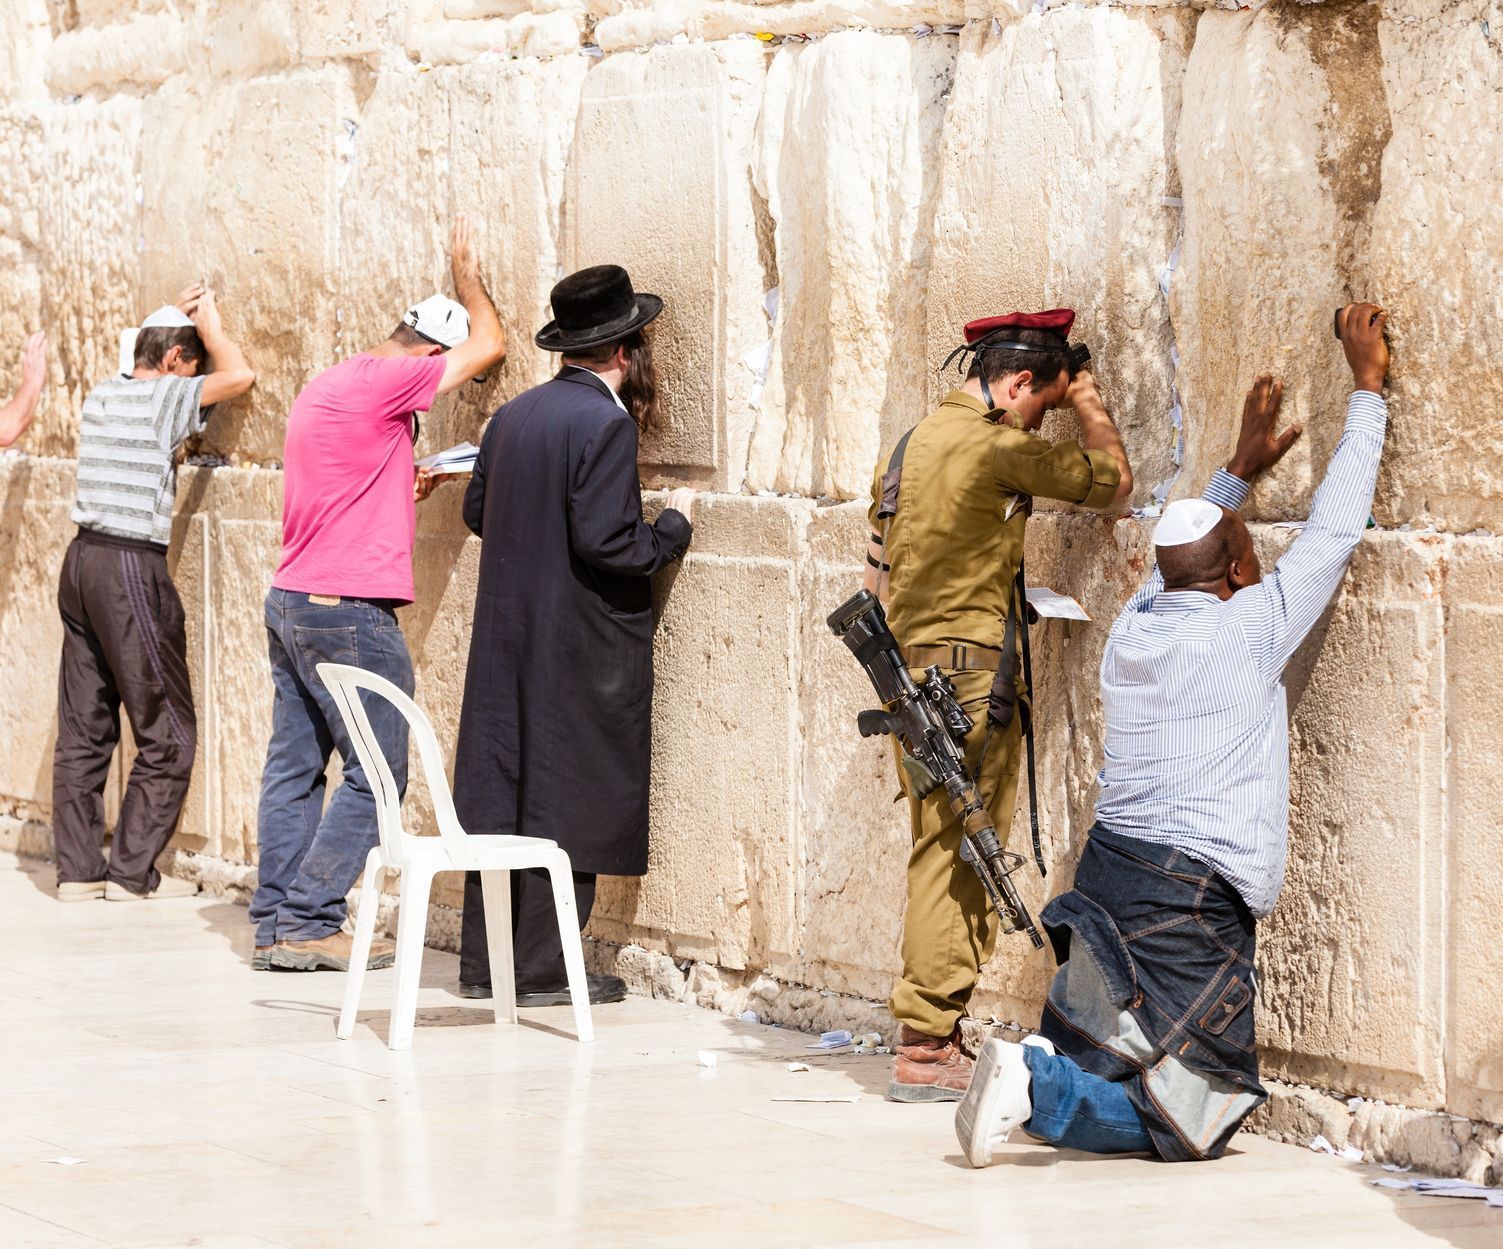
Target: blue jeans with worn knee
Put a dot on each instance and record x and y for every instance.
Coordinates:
(1074, 1109)
(310, 857)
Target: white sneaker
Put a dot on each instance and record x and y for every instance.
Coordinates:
(997, 1100)
(79, 890)
(167, 887)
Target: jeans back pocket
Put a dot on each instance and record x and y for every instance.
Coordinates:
(316, 645)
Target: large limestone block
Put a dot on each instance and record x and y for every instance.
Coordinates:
(190, 561)
(21, 248)
(1033, 213)
(91, 213)
(517, 117)
(635, 23)
(658, 182)
(444, 42)
(446, 566)
(393, 206)
(259, 219)
(36, 496)
(144, 50)
(1474, 837)
(848, 162)
(1351, 964)
(244, 550)
(1436, 260)
(249, 37)
(1281, 153)
(720, 885)
(24, 35)
(853, 839)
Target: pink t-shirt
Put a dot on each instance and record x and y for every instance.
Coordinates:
(347, 512)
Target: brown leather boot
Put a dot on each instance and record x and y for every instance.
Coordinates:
(331, 953)
(929, 1068)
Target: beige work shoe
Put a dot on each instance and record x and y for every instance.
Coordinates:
(331, 953)
(167, 887)
(79, 890)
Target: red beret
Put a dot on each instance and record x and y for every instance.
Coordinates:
(1057, 319)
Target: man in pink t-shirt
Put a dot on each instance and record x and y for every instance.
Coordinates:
(348, 522)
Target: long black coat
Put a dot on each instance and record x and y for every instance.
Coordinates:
(555, 735)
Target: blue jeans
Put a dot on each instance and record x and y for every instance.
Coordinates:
(1074, 1109)
(310, 857)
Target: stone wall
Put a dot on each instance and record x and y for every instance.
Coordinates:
(823, 190)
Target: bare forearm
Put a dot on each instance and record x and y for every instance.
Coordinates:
(485, 324)
(224, 352)
(16, 415)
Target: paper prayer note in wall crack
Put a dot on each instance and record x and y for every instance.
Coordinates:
(1047, 602)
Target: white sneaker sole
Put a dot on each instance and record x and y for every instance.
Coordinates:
(996, 1102)
(119, 893)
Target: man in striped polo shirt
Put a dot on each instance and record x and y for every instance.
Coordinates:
(123, 625)
(1147, 1041)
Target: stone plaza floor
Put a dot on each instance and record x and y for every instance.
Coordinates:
(213, 1107)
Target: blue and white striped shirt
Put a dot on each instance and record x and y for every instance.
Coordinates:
(1197, 733)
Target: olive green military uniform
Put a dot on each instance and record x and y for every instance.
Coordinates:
(954, 548)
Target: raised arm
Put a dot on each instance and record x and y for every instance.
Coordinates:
(486, 344)
(229, 372)
(1098, 432)
(1259, 448)
(1092, 472)
(16, 415)
(1286, 606)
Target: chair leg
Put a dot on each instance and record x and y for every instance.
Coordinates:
(496, 887)
(412, 926)
(365, 929)
(562, 879)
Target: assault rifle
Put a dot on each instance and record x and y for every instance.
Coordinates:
(931, 726)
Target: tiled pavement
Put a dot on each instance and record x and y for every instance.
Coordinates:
(214, 1108)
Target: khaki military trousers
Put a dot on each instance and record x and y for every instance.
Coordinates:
(949, 930)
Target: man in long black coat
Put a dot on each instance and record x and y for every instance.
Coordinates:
(555, 734)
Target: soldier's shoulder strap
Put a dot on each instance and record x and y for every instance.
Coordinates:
(887, 507)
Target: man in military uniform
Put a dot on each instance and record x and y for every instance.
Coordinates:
(944, 561)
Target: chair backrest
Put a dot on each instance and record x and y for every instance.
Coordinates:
(345, 683)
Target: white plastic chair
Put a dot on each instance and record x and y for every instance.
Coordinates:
(420, 859)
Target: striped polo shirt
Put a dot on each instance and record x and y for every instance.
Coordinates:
(127, 454)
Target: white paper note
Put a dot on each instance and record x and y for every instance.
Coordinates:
(1052, 603)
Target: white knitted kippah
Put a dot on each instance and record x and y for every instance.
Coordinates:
(168, 316)
(1185, 520)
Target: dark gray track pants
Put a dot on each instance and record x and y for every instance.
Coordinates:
(123, 643)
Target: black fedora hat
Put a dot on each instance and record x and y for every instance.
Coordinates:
(593, 307)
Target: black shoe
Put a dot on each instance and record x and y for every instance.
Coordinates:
(602, 989)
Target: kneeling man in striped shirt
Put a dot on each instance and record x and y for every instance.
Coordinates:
(123, 627)
(1147, 1041)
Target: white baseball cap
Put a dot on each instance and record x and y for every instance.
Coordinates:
(440, 320)
(168, 316)
(1186, 520)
